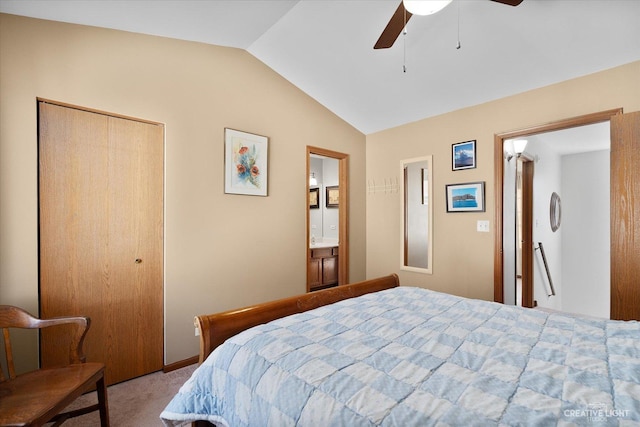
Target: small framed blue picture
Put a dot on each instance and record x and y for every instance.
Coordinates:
(464, 155)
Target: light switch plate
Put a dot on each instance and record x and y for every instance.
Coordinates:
(483, 226)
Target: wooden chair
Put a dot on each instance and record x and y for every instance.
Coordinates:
(38, 397)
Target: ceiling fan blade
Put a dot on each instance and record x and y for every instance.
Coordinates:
(399, 20)
(393, 28)
(509, 2)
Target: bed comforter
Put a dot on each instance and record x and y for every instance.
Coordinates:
(413, 357)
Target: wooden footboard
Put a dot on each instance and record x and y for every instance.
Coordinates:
(216, 328)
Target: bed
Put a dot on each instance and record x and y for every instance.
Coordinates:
(375, 353)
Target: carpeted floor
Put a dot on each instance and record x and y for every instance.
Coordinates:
(135, 403)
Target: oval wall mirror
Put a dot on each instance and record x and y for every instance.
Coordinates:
(555, 212)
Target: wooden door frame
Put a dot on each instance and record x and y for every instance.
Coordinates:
(527, 232)
(343, 213)
(96, 111)
(498, 160)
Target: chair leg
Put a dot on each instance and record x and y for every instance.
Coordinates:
(103, 404)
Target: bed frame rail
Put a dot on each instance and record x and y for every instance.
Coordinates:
(216, 328)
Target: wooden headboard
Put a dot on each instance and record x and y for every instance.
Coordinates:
(216, 328)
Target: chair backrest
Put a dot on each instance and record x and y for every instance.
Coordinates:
(14, 317)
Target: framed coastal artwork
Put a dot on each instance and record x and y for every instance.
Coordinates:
(467, 197)
(246, 163)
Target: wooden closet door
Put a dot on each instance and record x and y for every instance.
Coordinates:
(625, 216)
(101, 242)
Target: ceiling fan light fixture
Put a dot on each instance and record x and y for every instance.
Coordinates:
(425, 7)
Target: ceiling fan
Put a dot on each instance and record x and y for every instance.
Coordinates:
(402, 15)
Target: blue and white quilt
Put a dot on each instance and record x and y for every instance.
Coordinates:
(413, 357)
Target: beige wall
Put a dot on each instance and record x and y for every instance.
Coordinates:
(222, 251)
(463, 258)
(197, 90)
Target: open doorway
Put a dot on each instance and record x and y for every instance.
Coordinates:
(507, 267)
(562, 194)
(327, 221)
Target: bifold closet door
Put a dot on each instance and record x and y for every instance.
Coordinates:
(101, 236)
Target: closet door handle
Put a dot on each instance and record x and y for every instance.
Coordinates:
(138, 261)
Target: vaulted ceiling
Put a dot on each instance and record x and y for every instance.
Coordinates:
(325, 47)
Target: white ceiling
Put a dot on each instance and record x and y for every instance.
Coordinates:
(325, 47)
(581, 139)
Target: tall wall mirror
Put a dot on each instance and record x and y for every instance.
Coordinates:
(417, 215)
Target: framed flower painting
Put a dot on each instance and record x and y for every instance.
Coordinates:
(245, 163)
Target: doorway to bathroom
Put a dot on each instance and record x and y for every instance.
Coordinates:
(327, 237)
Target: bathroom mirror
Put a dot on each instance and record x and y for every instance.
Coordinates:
(416, 215)
(324, 216)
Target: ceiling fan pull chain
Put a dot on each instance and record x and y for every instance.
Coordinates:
(458, 46)
(404, 43)
(404, 53)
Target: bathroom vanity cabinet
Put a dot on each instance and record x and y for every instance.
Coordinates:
(323, 268)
